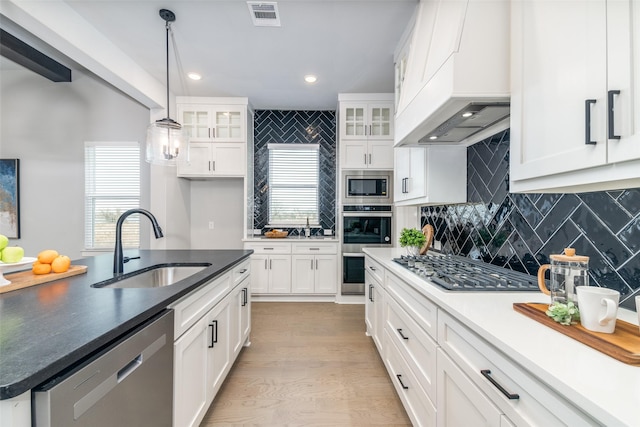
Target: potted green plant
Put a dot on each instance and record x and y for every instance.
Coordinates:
(412, 239)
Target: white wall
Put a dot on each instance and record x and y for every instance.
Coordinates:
(220, 201)
(45, 125)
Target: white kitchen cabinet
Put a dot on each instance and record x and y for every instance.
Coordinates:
(271, 274)
(16, 412)
(214, 159)
(190, 379)
(209, 331)
(360, 154)
(434, 174)
(219, 349)
(208, 121)
(314, 268)
(575, 126)
(416, 401)
(472, 373)
(375, 301)
(460, 402)
(366, 120)
(314, 274)
(301, 267)
(270, 267)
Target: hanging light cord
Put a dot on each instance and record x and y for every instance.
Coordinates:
(168, 28)
(181, 72)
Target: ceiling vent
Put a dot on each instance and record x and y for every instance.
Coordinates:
(264, 14)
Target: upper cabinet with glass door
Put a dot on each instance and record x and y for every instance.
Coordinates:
(213, 119)
(366, 116)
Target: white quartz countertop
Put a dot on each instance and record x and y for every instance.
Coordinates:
(601, 386)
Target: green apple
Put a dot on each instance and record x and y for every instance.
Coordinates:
(4, 241)
(12, 254)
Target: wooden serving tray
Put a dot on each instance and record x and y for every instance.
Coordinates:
(623, 344)
(24, 279)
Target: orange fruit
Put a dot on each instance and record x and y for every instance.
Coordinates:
(60, 264)
(41, 268)
(47, 256)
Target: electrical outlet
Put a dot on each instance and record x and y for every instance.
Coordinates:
(211, 225)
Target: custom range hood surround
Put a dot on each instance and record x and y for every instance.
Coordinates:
(457, 62)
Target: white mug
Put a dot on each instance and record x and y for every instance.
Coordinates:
(598, 308)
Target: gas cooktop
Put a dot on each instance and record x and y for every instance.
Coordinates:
(458, 273)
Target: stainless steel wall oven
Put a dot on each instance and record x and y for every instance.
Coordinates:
(362, 226)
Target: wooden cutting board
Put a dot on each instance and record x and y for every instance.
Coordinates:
(623, 344)
(24, 279)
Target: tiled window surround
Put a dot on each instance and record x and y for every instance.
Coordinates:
(520, 231)
(295, 127)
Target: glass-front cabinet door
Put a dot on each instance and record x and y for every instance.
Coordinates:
(353, 121)
(381, 124)
(229, 125)
(366, 121)
(196, 121)
(213, 123)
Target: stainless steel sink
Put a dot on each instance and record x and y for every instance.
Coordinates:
(155, 277)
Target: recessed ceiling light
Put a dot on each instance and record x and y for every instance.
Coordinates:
(310, 78)
(432, 137)
(467, 114)
(194, 76)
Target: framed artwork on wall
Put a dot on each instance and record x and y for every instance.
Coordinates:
(10, 198)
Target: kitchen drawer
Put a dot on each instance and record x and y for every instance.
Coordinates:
(241, 271)
(374, 268)
(418, 349)
(192, 307)
(314, 248)
(423, 311)
(415, 399)
(269, 247)
(537, 404)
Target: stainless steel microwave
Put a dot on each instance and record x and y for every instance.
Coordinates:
(366, 188)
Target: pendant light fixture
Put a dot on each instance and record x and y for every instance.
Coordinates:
(166, 139)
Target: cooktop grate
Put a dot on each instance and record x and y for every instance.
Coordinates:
(458, 273)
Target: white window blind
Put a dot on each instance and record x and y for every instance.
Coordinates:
(293, 184)
(112, 186)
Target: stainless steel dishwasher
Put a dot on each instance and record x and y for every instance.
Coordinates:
(129, 383)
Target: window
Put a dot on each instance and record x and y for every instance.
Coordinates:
(112, 186)
(293, 184)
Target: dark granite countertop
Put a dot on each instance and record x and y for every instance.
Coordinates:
(49, 327)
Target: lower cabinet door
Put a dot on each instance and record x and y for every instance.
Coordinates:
(280, 274)
(414, 398)
(302, 274)
(235, 313)
(190, 381)
(259, 273)
(460, 403)
(218, 345)
(326, 273)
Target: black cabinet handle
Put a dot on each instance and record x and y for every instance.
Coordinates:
(611, 94)
(587, 121)
(243, 300)
(371, 293)
(487, 374)
(402, 335)
(246, 296)
(214, 333)
(244, 270)
(404, 387)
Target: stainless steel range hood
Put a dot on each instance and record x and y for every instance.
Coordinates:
(456, 88)
(470, 120)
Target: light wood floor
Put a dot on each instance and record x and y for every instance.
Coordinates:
(309, 364)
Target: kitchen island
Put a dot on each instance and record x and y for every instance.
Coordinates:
(478, 329)
(46, 328)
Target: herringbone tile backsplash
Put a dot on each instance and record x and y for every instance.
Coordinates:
(520, 231)
(295, 127)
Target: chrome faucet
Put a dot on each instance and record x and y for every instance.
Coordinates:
(118, 259)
